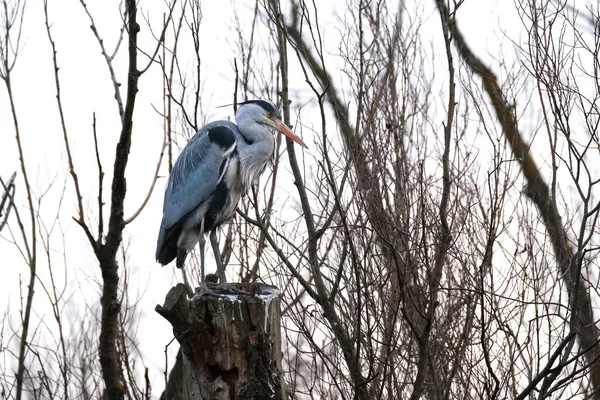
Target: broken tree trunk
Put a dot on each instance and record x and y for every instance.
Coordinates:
(231, 343)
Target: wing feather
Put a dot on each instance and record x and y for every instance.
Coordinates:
(194, 178)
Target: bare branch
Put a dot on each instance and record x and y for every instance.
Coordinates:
(109, 59)
(6, 204)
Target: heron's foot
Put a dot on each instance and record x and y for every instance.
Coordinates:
(229, 288)
(203, 290)
(224, 289)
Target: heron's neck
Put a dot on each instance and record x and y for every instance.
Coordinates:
(255, 151)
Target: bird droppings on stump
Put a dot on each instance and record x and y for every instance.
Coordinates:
(231, 342)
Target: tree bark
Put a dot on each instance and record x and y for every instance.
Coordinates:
(231, 343)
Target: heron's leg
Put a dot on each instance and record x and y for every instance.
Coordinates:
(202, 242)
(215, 247)
(203, 289)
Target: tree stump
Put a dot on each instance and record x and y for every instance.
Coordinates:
(231, 342)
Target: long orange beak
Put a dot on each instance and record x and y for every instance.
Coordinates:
(281, 127)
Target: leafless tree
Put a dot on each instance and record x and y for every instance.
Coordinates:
(437, 240)
(560, 58)
(72, 369)
(11, 17)
(106, 241)
(414, 263)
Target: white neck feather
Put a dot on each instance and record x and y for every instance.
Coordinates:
(257, 149)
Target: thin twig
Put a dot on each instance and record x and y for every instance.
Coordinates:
(109, 59)
(7, 195)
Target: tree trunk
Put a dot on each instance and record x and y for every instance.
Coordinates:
(231, 344)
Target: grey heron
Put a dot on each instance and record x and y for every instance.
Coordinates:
(214, 170)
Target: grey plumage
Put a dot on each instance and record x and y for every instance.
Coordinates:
(217, 166)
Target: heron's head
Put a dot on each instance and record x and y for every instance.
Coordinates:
(268, 114)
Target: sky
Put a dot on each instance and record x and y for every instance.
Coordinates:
(87, 90)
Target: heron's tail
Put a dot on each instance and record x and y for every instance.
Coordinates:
(166, 248)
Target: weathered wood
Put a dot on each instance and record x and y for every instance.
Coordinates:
(231, 343)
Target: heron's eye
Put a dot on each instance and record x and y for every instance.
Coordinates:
(269, 114)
